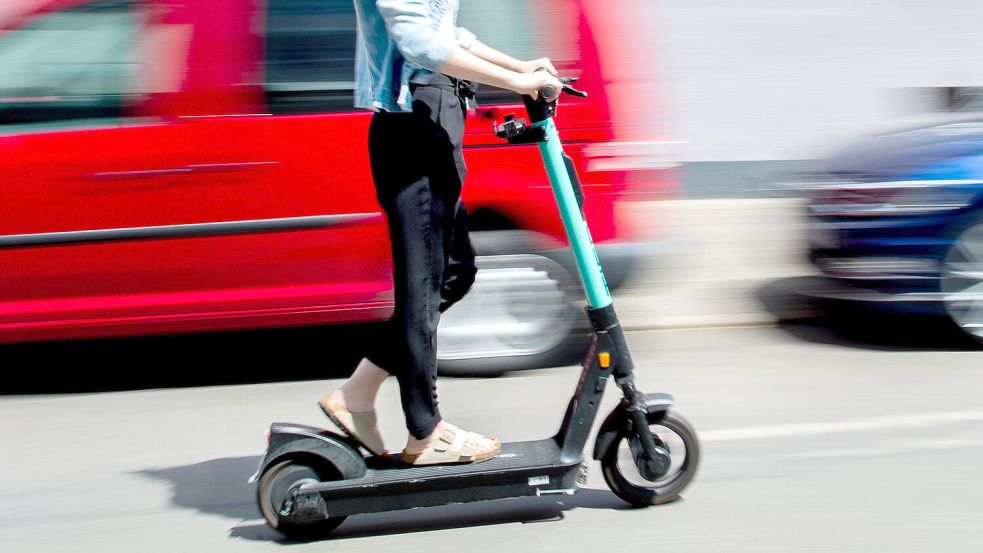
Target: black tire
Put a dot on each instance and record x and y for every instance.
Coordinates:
(660, 492)
(504, 250)
(273, 488)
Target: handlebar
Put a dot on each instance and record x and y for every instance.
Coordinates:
(516, 131)
(549, 93)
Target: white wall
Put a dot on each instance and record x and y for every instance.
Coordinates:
(791, 79)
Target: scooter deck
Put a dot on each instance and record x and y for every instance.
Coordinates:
(520, 469)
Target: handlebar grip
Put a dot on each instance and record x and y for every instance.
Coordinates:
(548, 93)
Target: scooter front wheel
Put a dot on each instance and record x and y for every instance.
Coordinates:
(278, 489)
(675, 434)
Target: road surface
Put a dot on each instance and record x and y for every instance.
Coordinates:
(813, 441)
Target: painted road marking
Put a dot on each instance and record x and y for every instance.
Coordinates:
(893, 448)
(918, 420)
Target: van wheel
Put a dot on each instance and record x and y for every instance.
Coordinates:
(523, 312)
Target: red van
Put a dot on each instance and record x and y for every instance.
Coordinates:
(171, 166)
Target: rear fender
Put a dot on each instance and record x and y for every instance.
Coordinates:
(289, 440)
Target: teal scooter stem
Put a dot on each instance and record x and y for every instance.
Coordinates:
(589, 266)
(565, 184)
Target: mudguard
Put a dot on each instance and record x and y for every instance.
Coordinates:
(614, 424)
(297, 440)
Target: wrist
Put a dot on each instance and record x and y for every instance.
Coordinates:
(511, 81)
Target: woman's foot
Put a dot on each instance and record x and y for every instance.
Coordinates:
(449, 444)
(352, 406)
(362, 426)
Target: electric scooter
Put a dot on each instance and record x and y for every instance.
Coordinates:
(311, 479)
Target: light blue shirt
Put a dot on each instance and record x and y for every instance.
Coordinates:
(399, 42)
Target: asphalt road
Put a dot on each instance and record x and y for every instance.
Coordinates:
(814, 440)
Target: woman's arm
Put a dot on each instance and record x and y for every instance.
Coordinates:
(464, 64)
(502, 59)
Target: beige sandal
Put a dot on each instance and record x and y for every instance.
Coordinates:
(360, 426)
(453, 446)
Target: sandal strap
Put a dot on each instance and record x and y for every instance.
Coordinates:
(466, 444)
(471, 446)
(453, 445)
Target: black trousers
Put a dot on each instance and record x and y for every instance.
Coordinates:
(418, 169)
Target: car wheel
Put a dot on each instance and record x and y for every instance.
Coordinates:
(522, 312)
(962, 281)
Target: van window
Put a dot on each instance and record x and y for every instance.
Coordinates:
(310, 56)
(70, 68)
(310, 47)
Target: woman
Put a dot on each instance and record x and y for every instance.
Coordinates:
(413, 67)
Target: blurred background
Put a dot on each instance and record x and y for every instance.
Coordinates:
(786, 198)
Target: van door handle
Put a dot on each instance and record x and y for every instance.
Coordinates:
(193, 169)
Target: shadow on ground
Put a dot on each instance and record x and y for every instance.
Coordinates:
(215, 487)
(219, 487)
(857, 325)
(305, 353)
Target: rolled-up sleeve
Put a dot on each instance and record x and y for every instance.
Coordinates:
(465, 38)
(415, 30)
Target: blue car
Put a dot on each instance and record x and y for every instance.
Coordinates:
(897, 221)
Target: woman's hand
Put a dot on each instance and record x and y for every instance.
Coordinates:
(532, 65)
(529, 84)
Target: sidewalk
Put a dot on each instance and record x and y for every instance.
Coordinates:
(719, 255)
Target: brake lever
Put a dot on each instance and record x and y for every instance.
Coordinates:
(567, 81)
(573, 91)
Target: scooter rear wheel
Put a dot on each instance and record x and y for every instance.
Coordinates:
(274, 491)
(625, 480)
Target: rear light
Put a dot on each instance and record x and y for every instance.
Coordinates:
(268, 432)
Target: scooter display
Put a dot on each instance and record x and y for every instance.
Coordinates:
(311, 479)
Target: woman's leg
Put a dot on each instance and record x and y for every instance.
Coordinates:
(457, 263)
(409, 154)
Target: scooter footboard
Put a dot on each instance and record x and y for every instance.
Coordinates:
(615, 424)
